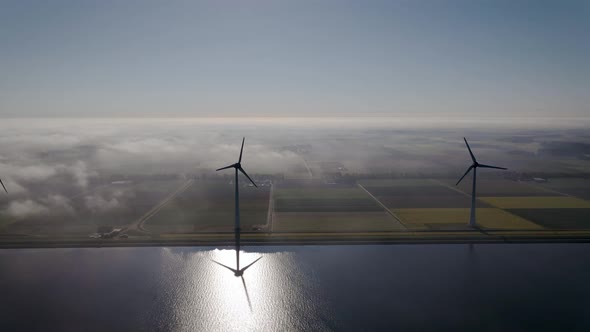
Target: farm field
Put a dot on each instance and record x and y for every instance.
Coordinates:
(334, 222)
(557, 218)
(323, 199)
(557, 202)
(319, 192)
(458, 218)
(432, 204)
(440, 201)
(208, 206)
(425, 190)
(395, 182)
(328, 208)
(501, 187)
(578, 187)
(417, 193)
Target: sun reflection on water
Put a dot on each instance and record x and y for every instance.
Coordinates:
(208, 297)
(232, 299)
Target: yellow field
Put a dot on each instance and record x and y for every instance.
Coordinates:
(537, 202)
(486, 218)
(333, 222)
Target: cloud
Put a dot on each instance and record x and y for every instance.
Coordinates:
(13, 187)
(108, 201)
(39, 173)
(32, 173)
(42, 162)
(97, 203)
(59, 205)
(48, 206)
(26, 208)
(79, 171)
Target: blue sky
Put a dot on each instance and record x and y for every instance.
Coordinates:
(471, 58)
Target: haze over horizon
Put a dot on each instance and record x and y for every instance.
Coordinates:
(479, 59)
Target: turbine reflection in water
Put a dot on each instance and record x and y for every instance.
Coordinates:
(275, 294)
(224, 259)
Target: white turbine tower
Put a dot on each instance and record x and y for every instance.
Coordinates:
(238, 167)
(474, 166)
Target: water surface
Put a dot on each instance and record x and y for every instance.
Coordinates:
(311, 288)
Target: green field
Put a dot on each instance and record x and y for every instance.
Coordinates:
(546, 202)
(334, 222)
(418, 193)
(500, 187)
(327, 205)
(395, 182)
(319, 192)
(441, 201)
(425, 190)
(557, 218)
(324, 199)
(459, 218)
(578, 187)
(328, 208)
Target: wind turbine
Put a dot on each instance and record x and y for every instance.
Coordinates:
(238, 167)
(474, 167)
(2, 183)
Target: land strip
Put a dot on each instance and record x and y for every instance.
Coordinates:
(260, 239)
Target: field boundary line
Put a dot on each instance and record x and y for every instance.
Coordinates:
(549, 190)
(383, 206)
(308, 168)
(139, 223)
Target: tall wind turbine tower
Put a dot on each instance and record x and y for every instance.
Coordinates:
(238, 167)
(474, 167)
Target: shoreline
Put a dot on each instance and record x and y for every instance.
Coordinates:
(226, 240)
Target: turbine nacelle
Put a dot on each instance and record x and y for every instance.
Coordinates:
(240, 272)
(238, 165)
(475, 164)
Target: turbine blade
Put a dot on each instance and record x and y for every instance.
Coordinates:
(227, 267)
(469, 148)
(247, 266)
(489, 166)
(241, 150)
(244, 172)
(2, 183)
(246, 290)
(464, 175)
(226, 167)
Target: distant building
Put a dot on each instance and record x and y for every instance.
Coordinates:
(112, 233)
